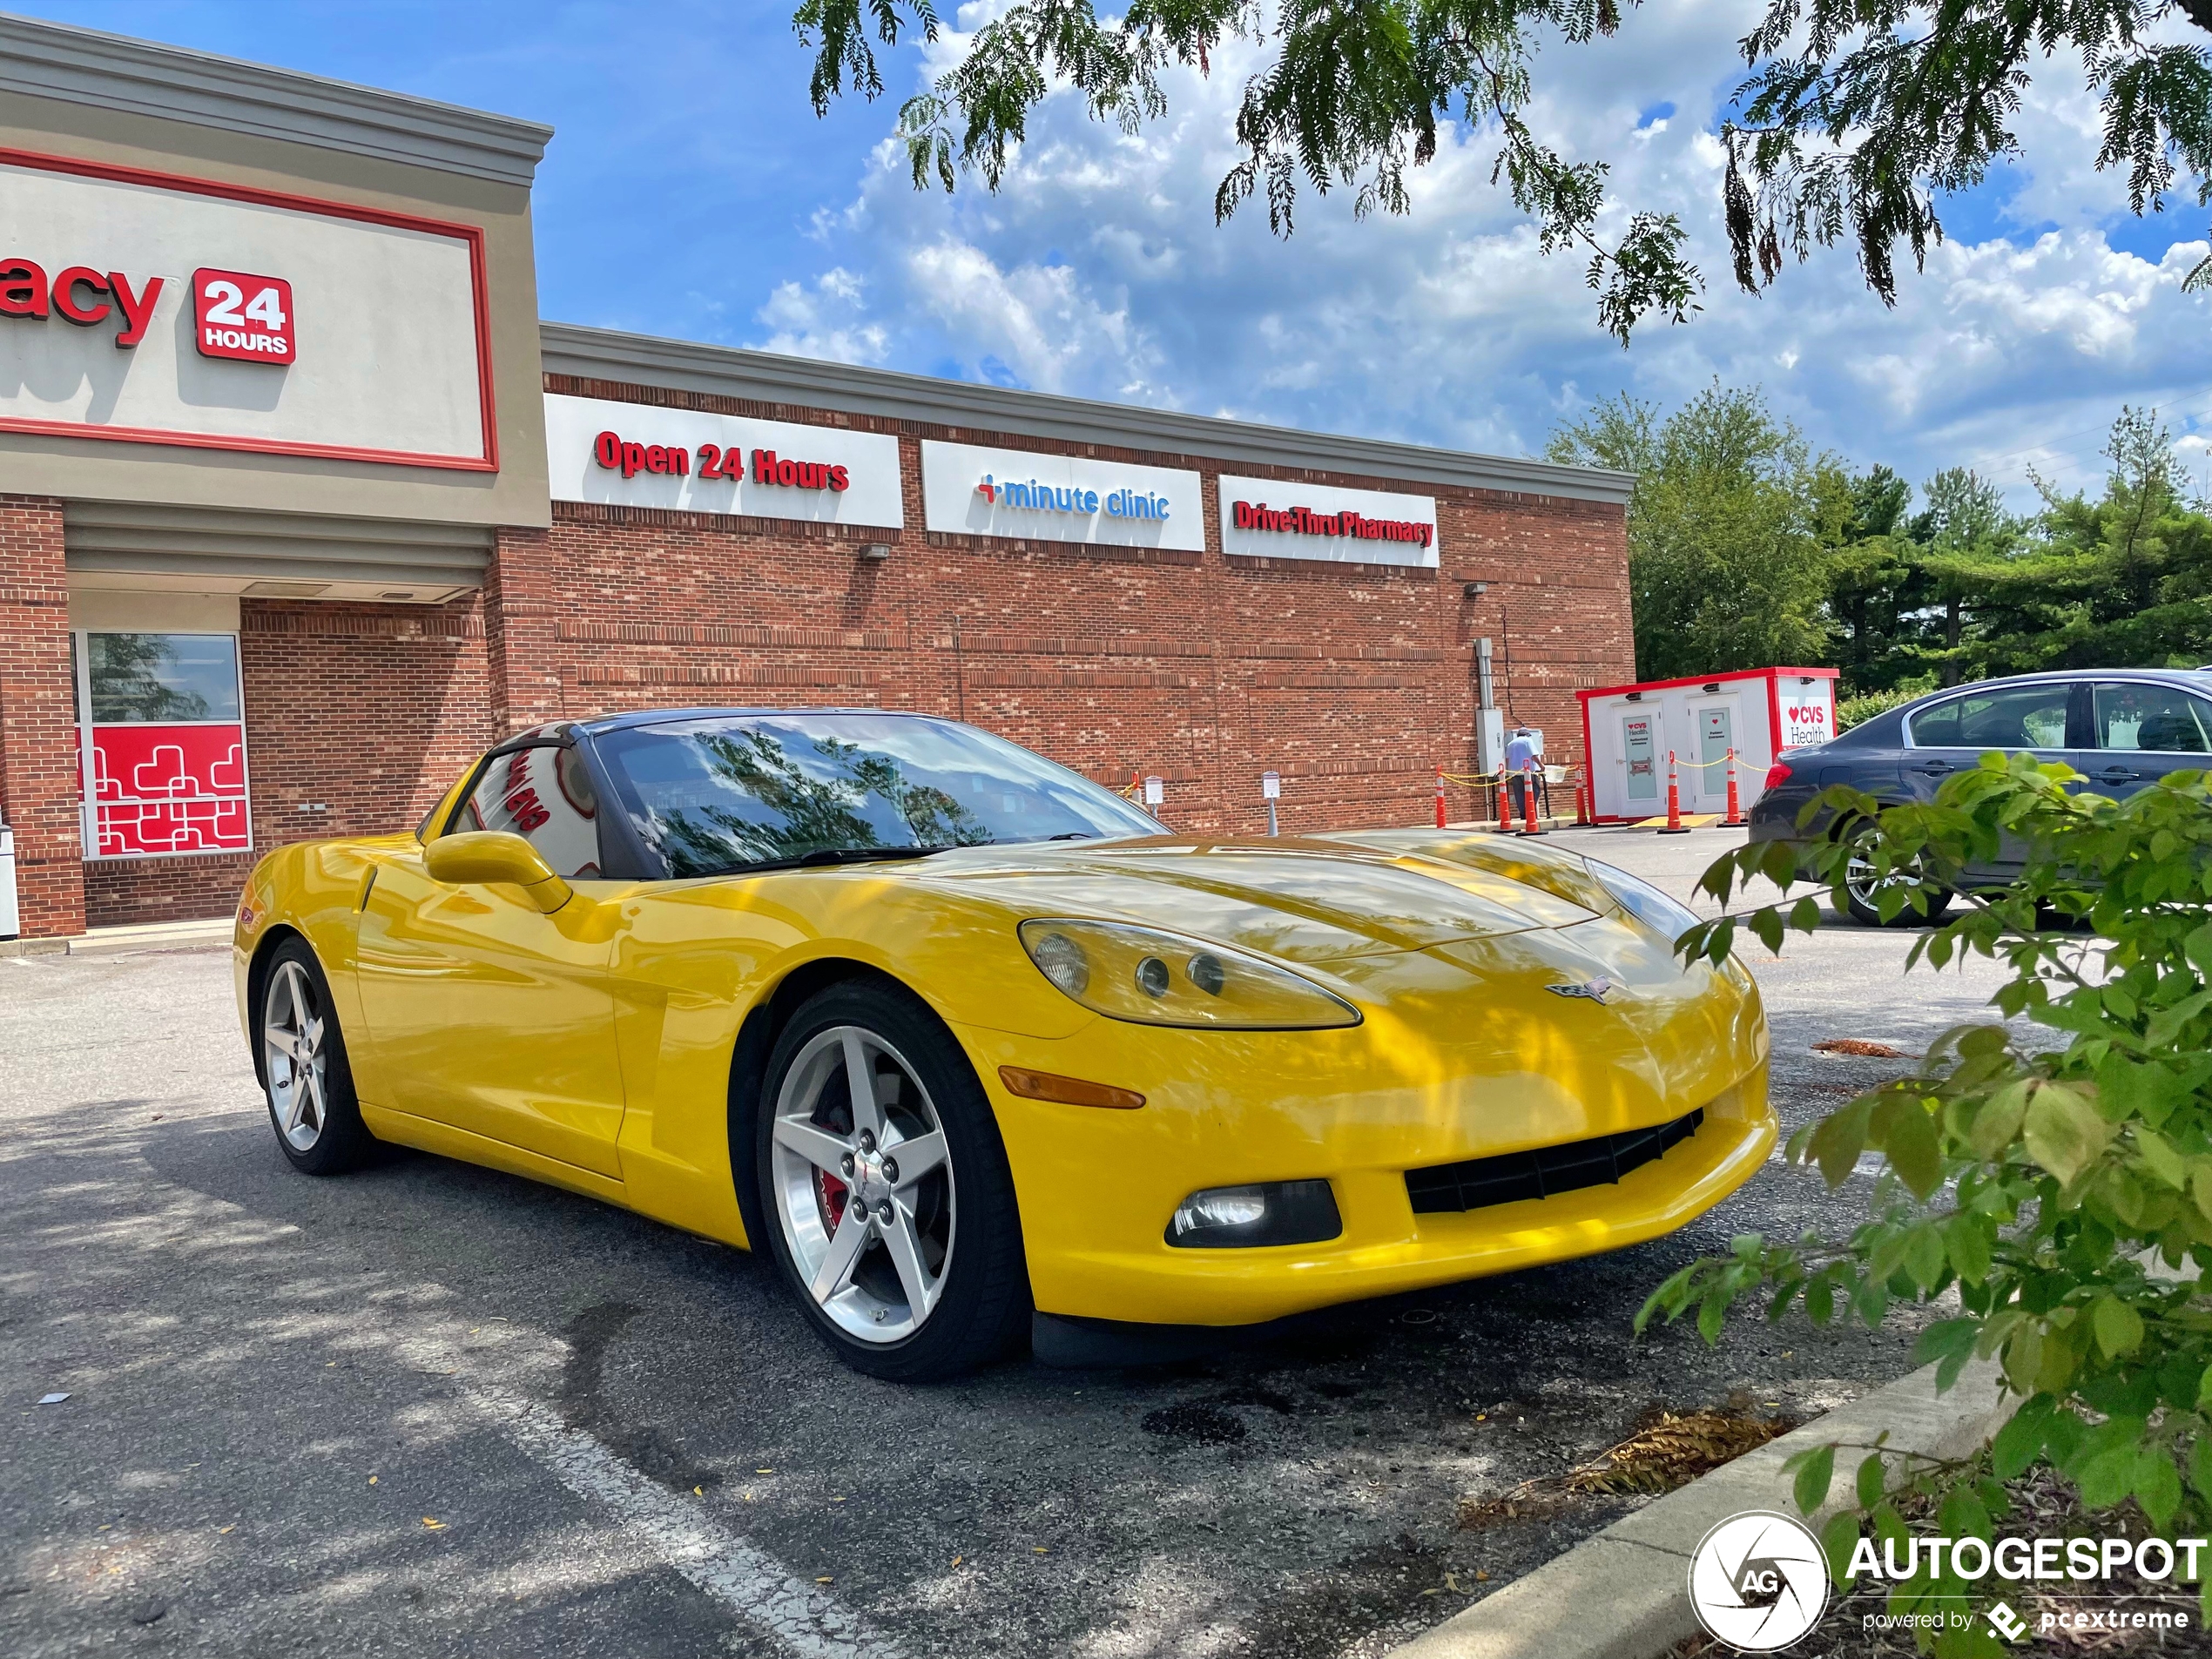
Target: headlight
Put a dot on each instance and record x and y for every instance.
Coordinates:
(1655, 909)
(1154, 978)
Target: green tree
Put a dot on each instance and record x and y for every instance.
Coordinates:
(2124, 580)
(1855, 116)
(1726, 565)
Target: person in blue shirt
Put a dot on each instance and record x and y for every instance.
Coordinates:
(1522, 757)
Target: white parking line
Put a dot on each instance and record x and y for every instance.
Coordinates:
(802, 1618)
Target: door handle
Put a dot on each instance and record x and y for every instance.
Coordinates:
(1935, 768)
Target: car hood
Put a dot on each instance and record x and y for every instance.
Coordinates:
(1308, 899)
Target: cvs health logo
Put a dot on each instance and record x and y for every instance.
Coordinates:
(239, 316)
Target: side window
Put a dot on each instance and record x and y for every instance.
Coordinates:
(2019, 717)
(2162, 720)
(543, 795)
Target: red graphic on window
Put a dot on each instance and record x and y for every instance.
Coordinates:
(169, 789)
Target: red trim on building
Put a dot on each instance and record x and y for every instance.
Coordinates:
(480, 293)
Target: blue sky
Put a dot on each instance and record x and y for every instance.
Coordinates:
(690, 191)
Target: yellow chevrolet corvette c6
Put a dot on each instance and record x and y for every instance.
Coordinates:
(964, 1040)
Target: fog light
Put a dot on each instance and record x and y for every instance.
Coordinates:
(1277, 1212)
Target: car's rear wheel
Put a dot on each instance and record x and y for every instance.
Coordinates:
(889, 1206)
(1864, 885)
(305, 1075)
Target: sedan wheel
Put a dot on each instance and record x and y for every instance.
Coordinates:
(304, 1072)
(1864, 885)
(883, 1187)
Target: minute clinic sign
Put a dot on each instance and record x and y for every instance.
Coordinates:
(640, 454)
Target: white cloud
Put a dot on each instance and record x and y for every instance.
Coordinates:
(827, 321)
(1098, 270)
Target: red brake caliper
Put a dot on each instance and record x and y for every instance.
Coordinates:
(831, 1192)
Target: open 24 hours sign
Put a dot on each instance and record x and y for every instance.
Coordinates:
(640, 454)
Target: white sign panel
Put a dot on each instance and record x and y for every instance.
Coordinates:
(139, 308)
(1807, 718)
(1269, 518)
(639, 455)
(1059, 498)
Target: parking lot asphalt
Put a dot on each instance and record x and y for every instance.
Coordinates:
(430, 1409)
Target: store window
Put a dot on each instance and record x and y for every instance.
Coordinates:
(161, 733)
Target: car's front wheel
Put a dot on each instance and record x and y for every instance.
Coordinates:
(884, 1184)
(1863, 884)
(305, 1075)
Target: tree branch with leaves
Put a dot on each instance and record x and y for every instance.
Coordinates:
(1856, 118)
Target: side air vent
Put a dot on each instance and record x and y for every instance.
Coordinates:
(1545, 1171)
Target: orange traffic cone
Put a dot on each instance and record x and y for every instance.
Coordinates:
(1440, 798)
(1735, 818)
(1675, 826)
(1582, 817)
(1528, 824)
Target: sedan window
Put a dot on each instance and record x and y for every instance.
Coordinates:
(2142, 716)
(2019, 717)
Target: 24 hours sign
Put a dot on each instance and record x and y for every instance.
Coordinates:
(239, 316)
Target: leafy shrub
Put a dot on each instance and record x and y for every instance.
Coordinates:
(1856, 711)
(2042, 1182)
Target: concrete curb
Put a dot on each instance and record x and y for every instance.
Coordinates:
(1624, 1593)
(100, 942)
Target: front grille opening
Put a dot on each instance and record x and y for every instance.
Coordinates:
(1544, 1171)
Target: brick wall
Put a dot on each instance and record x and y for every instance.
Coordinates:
(1355, 682)
(38, 766)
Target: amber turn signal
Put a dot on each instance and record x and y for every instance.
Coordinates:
(1068, 1091)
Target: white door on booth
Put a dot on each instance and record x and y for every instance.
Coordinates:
(1715, 737)
(1640, 752)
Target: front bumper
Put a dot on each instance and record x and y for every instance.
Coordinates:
(1361, 1106)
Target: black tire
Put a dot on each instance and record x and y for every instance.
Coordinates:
(980, 1310)
(312, 1107)
(1858, 898)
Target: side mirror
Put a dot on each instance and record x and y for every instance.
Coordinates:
(488, 857)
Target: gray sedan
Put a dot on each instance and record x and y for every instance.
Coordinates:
(2121, 728)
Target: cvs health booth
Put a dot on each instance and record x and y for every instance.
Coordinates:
(1629, 732)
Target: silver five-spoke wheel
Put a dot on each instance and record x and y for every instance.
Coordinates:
(292, 1034)
(863, 1183)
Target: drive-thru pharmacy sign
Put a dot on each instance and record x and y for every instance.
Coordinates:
(1269, 518)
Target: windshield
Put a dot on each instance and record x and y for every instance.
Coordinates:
(726, 793)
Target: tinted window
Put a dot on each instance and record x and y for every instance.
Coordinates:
(543, 795)
(140, 678)
(2159, 718)
(718, 795)
(2018, 717)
